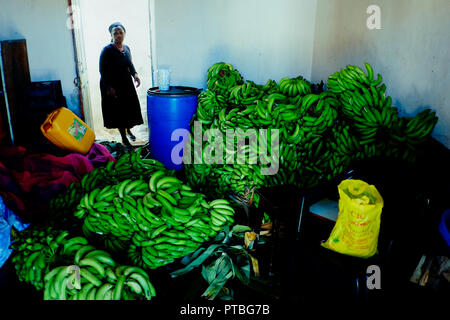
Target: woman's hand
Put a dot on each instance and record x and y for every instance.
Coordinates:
(111, 92)
(137, 80)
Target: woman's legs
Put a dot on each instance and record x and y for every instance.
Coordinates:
(123, 134)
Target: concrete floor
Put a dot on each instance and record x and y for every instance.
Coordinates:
(141, 132)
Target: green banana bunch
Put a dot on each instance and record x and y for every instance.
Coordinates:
(179, 223)
(245, 94)
(418, 129)
(208, 106)
(270, 87)
(351, 78)
(320, 133)
(131, 214)
(48, 259)
(365, 103)
(130, 165)
(94, 275)
(345, 142)
(272, 110)
(410, 132)
(319, 111)
(183, 231)
(107, 211)
(221, 77)
(295, 86)
(34, 250)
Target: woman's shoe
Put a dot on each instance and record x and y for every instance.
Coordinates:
(131, 136)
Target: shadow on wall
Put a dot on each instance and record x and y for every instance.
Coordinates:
(8, 30)
(342, 37)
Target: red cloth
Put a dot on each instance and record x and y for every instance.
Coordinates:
(99, 154)
(29, 181)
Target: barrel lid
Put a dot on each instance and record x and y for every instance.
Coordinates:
(174, 91)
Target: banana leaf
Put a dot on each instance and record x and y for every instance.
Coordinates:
(240, 229)
(231, 260)
(197, 261)
(240, 261)
(217, 274)
(216, 286)
(242, 272)
(210, 273)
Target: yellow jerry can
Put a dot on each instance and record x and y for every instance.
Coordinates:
(67, 131)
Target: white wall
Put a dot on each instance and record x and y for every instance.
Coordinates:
(49, 41)
(262, 38)
(267, 39)
(411, 51)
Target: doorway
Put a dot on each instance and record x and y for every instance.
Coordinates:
(92, 19)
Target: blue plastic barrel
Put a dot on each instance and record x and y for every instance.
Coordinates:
(444, 226)
(168, 111)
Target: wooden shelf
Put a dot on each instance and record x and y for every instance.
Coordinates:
(15, 78)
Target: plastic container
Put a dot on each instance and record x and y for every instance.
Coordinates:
(444, 226)
(7, 220)
(67, 131)
(163, 77)
(168, 111)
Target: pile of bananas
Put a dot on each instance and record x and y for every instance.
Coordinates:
(70, 268)
(377, 125)
(92, 274)
(319, 132)
(128, 166)
(157, 221)
(34, 251)
(301, 118)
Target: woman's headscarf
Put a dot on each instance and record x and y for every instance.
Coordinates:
(114, 25)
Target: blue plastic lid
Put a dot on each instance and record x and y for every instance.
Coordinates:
(174, 91)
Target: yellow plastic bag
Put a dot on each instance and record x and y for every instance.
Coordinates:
(358, 224)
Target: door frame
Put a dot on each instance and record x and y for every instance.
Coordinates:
(153, 57)
(80, 81)
(80, 59)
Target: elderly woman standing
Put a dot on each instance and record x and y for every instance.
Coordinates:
(120, 103)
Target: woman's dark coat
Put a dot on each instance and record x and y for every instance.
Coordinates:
(116, 70)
